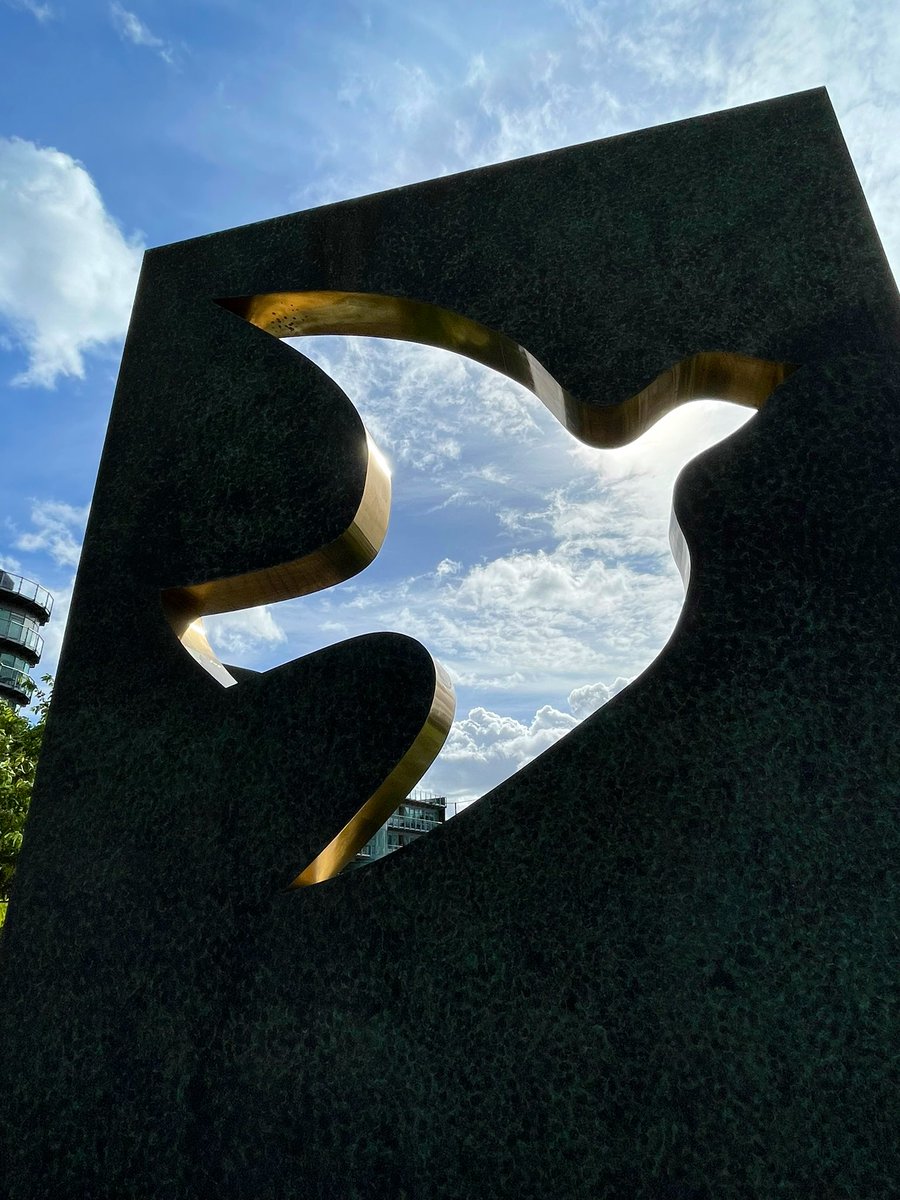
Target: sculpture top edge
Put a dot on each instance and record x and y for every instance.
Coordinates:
(817, 97)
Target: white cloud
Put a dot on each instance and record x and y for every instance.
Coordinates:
(484, 747)
(429, 408)
(132, 29)
(592, 26)
(484, 735)
(67, 274)
(416, 95)
(545, 621)
(587, 699)
(600, 69)
(58, 531)
(240, 634)
(41, 12)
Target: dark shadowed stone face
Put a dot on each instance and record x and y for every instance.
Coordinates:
(657, 961)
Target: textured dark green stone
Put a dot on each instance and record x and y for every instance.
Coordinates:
(659, 962)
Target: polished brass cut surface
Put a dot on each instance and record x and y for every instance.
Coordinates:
(407, 773)
(711, 373)
(341, 559)
(334, 563)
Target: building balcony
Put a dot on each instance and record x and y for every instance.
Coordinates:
(426, 798)
(415, 824)
(32, 597)
(20, 635)
(15, 685)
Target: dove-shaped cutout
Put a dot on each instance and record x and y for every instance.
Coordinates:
(291, 314)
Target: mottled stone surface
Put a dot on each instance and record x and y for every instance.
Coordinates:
(660, 961)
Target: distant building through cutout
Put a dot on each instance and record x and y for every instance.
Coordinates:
(24, 608)
(419, 813)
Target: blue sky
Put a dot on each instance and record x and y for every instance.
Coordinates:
(536, 570)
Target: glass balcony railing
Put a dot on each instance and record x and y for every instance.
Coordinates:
(15, 585)
(415, 824)
(422, 797)
(13, 630)
(19, 682)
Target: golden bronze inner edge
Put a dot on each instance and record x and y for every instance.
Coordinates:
(406, 774)
(324, 567)
(711, 373)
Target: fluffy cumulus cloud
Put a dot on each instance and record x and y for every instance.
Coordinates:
(548, 619)
(485, 747)
(67, 272)
(587, 699)
(484, 737)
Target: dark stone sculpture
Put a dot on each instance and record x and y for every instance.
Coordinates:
(691, 991)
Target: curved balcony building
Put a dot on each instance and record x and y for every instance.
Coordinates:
(419, 813)
(24, 608)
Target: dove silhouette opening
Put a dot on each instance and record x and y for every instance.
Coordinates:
(738, 378)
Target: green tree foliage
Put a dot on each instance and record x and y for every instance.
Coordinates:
(20, 745)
